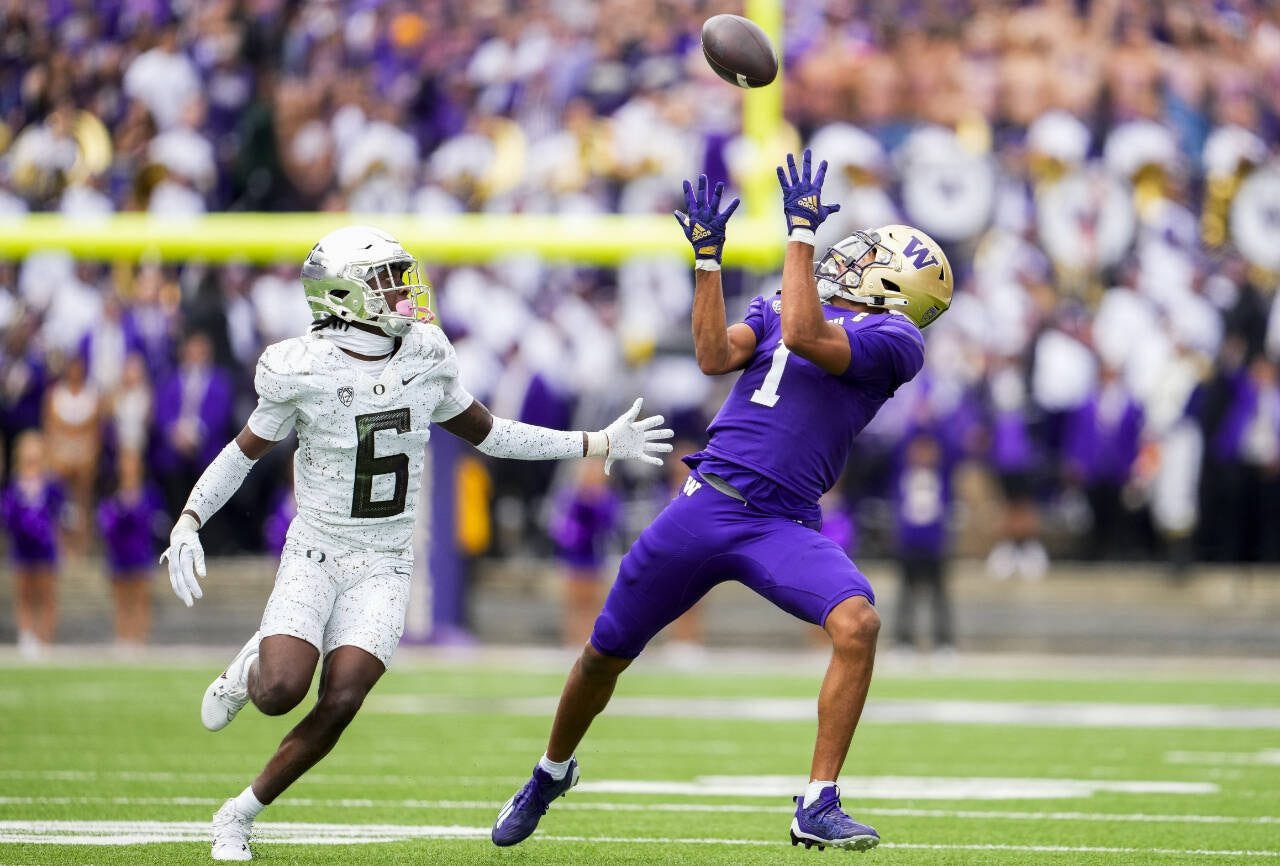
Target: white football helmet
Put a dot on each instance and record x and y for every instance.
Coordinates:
(895, 267)
(350, 273)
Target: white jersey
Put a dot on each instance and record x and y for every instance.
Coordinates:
(361, 438)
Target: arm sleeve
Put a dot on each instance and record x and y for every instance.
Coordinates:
(218, 482)
(519, 441)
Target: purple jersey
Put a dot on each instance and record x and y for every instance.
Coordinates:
(784, 433)
(30, 517)
(128, 524)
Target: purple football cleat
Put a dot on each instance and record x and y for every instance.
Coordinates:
(825, 823)
(520, 815)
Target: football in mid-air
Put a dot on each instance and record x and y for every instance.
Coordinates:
(739, 51)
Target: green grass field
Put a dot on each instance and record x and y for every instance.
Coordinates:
(108, 764)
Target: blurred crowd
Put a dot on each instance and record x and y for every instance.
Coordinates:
(1102, 174)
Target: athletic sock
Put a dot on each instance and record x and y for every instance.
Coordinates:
(556, 769)
(814, 791)
(247, 803)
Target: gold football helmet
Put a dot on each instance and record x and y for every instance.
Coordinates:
(895, 267)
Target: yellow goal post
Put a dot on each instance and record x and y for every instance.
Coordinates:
(262, 238)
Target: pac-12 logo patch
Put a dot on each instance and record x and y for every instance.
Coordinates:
(346, 394)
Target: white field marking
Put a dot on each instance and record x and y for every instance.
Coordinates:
(866, 787)
(1265, 758)
(143, 832)
(238, 778)
(900, 710)
(898, 787)
(734, 808)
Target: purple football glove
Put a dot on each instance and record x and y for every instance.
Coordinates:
(703, 221)
(802, 196)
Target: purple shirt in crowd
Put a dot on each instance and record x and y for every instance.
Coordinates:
(921, 500)
(128, 529)
(783, 435)
(30, 518)
(582, 524)
(1102, 438)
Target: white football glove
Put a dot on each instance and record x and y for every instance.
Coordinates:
(186, 560)
(629, 439)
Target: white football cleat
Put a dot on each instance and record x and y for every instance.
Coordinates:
(231, 833)
(230, 691)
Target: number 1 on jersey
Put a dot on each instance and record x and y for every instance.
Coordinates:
(767, 394)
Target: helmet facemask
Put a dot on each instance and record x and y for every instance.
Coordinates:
(396, 294)
(842, 271)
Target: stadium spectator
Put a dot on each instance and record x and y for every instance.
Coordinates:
(22, 381)
(193, 411)
(585, 517)
(1101, 445)
(922, 500)
(31, 509)
(73, 415)
(130, 520)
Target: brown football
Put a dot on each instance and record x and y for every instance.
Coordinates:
(739, 51)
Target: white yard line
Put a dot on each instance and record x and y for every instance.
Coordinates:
(239, 778)
(899, 787)
(732, 808)
(1083, 714)
(1263, 758)
(863, 787)
(145, 832)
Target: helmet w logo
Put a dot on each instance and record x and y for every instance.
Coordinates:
(919, 254)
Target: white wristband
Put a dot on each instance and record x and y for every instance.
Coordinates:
(804, 236)
(706, 265)
(598, 444)
(218, 482)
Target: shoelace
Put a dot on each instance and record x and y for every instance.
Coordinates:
(532, 792)
(232, 819)
(234, 689)
(822, 810)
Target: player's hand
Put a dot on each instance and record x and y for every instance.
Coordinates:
(630, 439)
(802, 195)
(186, 560)
(703, 221)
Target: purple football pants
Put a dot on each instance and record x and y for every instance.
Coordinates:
(704, 537)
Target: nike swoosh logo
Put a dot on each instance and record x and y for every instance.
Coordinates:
(411, 378)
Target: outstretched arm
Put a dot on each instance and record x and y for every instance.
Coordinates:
(624, 439)
(805, 329)
(216, 484)
(718, 348)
